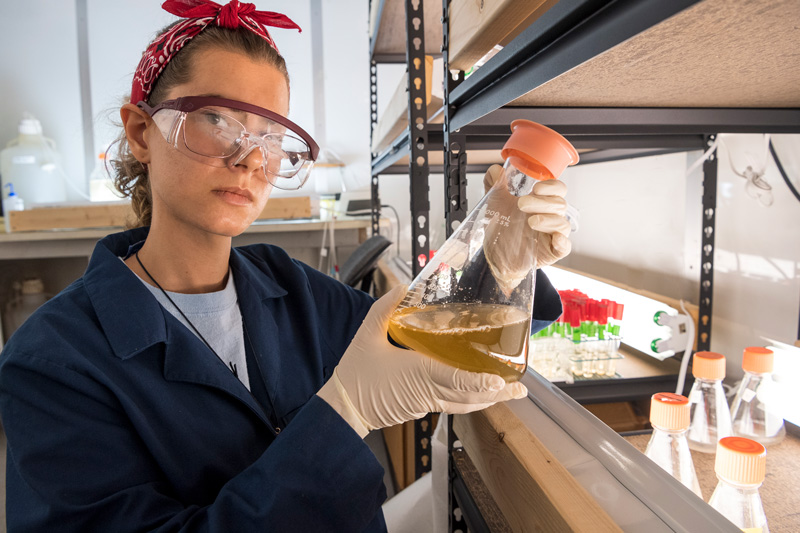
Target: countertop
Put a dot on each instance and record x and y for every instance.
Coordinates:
(780, 493)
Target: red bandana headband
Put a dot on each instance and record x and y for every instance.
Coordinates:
(199, 14)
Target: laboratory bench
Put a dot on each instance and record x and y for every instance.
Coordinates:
(296, 235)
(780, 492)
(59, 257)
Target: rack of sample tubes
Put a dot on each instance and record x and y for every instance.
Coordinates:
(582, 344)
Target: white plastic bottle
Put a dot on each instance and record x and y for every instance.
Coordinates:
(708, 411)
(101, 187)
(668, 447)
(740, 466)
(11, 203)
(755, 411)
(32, 164)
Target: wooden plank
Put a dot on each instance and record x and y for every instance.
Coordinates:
(394, 119)
(409, 467)
(393, 437)
(75, 216)
(287, 207)
(391, 36)
(387, 278)
(701, 57)
(477, 26)
(118, 214)
(534, 491)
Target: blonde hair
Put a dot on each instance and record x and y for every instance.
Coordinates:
(130, 176)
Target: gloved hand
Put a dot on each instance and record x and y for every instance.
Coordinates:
(377, 385)
(548, 209)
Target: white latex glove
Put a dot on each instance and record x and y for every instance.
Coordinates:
(548, 209)
(377, 385)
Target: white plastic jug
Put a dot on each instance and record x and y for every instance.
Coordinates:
(32, 164)
(30, 295)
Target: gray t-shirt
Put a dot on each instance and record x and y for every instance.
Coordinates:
(217, 317)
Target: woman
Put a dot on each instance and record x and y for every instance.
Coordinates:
(184, 385)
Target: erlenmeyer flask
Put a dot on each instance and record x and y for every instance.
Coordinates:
(471, 305)
(756, 407)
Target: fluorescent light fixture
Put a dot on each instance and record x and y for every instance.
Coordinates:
(786, 374)
(638, 330)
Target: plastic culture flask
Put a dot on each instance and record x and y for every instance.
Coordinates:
(755, 409)
(709, 412)
(471, 305)
(740, 466)
(668, 447)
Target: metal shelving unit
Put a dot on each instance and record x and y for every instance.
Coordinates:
(477, 115)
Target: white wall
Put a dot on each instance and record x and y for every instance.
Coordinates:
(39, 75)
(39, 72)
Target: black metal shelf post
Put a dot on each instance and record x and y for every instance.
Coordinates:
(455, 194)
(373, 111)
(418, 171)
(707, 252)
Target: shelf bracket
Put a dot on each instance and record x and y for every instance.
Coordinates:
(375, 200)
(707, 249)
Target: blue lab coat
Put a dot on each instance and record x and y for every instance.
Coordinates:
(120, 419)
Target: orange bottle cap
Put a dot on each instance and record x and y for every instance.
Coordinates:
(669, 411)
(758, 360)
(708, 365)
(741, 460)
(538, 151)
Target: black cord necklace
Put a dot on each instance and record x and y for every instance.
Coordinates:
(231, 365)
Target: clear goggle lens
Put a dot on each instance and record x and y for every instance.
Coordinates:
(221, 136)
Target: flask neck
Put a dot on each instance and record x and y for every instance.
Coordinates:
(746, 488)
(515, 180)
(707, 386)
(670, 433)
(757, 376)
(707, 382)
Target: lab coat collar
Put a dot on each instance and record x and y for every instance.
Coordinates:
(125, 308)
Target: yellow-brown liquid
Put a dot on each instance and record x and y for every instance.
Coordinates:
(475, 337)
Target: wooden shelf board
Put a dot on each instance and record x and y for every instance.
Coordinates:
(391, 34)
(718, 53)
(118, 214)
(478, 26)
(394, 118)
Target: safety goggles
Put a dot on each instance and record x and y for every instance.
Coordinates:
(221, 132)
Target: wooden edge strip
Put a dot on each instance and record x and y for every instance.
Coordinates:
(531, 487)
(120, 214)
